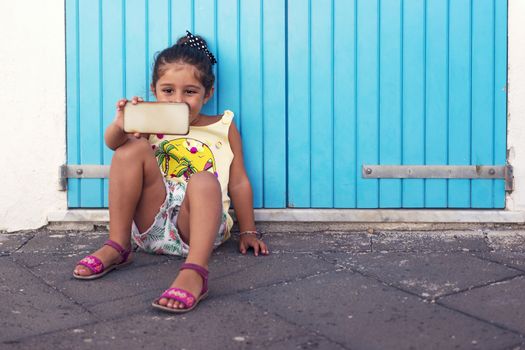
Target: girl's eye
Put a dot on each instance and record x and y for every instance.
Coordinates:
(191, 92)
(167, 91)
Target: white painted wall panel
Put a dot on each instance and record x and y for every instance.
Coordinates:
(32, 96)
(516, 102)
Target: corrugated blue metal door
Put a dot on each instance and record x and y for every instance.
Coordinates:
(319, 88)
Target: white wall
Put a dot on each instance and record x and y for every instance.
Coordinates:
(32, 96)
(516, 102)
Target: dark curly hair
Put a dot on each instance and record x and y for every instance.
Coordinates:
(181, 53)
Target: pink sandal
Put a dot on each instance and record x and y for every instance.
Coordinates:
(183, 296)
(97, 267)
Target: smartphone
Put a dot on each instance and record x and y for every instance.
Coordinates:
(157, 118)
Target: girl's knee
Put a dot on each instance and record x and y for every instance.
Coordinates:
(205, 181)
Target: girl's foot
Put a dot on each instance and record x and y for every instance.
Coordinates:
(190, 281)
(107, 254)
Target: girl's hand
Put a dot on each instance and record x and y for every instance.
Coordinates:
(250, 240)
(119, 117)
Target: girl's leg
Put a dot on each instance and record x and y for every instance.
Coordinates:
(198, 222)
(136, 192)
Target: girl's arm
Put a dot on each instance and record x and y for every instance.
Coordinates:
(115, 135)
(241, 194)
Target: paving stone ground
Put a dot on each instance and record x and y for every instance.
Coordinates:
(316, 290)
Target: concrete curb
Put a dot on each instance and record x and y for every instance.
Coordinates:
(314, 220)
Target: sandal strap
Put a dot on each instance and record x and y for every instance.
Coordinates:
(124, 253)
(201, 271)
(92, 263)
(180, 295)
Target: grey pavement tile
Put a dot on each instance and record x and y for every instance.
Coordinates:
(305, 342)
(123, 306)
(68, 243)
(513, 259)
(447, 241)
(268, 270)
(59, 267)
(65, 242)
(519, 346)
(506, 241)
(29, 306)
(318, 241)
(502, 303)
(10, 242)
(361, 313)
(118, 284)
(427, 274)
(217, 323)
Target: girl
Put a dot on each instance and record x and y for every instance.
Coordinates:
(198, 173)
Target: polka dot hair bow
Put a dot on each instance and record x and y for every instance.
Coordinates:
(199, 44)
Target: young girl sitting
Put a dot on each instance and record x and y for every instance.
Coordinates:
(183, 208)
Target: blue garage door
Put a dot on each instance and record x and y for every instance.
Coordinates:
(319, 88)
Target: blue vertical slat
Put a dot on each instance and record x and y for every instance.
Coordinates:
(482, 97)
(274, 97)
(459, 100)
(345, 169)
(90, 111)
(390, 99)
(228, 74)
(436, 99)
(158, 35)
(112, 69)
(181, 18)
(298, 67)
(73, 95)
(413, 98)
(367, 99)
(500, 97)
(322, 148)
(135, 45)
(251, 97)
(205, 25)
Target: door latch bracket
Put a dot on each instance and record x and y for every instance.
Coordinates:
(440, 172)
(90, 171)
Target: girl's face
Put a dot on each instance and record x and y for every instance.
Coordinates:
(179, 83)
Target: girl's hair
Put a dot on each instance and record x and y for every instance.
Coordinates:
(181, 52)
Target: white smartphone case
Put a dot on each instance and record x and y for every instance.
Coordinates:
(157, 118)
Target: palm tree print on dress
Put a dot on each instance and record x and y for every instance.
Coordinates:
(181, 158)
(163, 154)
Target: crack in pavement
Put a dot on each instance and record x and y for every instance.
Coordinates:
(68, 297)
(436, 301)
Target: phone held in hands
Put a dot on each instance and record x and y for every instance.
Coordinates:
(157, 118)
